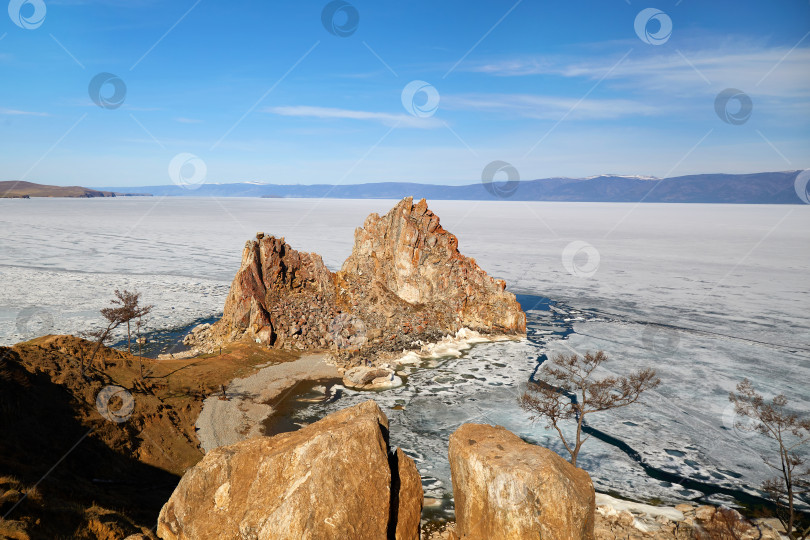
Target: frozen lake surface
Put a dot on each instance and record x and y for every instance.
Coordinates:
(706, 294)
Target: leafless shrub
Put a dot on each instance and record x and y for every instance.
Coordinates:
(790, 432)
(571, 376)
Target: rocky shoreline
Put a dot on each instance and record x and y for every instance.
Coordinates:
(340, 478)
(240, 417)
(241, 409)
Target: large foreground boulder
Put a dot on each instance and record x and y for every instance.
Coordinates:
(334, 479)
(508, 489)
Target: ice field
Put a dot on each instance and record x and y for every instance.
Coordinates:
(706, 294)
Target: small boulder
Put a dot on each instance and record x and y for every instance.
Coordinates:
(705, 513)
(508, 489)
(371, 378)
(684, 507)
(200, 328)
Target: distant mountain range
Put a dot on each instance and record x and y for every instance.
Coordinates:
(26, 190)
(758, 188)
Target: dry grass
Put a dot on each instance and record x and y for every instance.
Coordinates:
(116, 479)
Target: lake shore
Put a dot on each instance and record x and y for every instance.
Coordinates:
(241, 412)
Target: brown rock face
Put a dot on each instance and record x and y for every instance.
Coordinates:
(404, 281)
(405, 271)
(408, 498)
(278, 296)
(333, 479)
(507, 489)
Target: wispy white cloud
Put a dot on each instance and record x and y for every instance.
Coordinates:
(183, 120)
(776, 72)
(550, 107)
(388, 119)
(16, 112)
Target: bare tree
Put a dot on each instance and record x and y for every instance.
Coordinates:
(774, 420)
(570, 393)
(126, 308)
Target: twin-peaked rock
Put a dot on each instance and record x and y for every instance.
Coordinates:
(404, 281)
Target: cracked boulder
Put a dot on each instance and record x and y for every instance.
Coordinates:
(336, 478)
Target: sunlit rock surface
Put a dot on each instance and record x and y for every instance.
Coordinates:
(334, 479)
(508, 489)
(404, 282)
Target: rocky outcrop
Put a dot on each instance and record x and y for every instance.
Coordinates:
(279, 296)
(405, 282)
(508, 489)
(406, 272)
(332, 479)
(408, 499)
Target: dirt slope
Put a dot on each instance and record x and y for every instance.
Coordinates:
(113, 477)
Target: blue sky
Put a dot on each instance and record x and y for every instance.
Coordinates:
(263, 91)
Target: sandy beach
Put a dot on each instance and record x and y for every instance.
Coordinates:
(226, 421)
